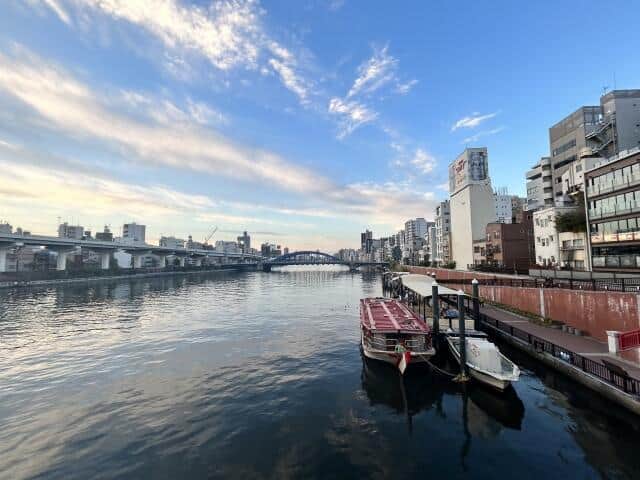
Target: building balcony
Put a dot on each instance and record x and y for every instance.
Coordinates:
(624, 209)
(600, 189)
(571, 248)
(633, 236)
(616, 261)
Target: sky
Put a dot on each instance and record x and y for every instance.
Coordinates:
(303, 122)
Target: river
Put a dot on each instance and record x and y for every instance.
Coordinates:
(259, 375)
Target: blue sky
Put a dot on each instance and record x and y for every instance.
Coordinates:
(303, 122)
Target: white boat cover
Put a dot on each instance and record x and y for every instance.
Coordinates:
(484, 356)
(422, 284)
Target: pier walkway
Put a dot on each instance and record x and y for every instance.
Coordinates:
(587, 347)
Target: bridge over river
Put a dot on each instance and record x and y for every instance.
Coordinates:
(315, 258)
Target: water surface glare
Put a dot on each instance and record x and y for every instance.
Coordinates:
(259, 375)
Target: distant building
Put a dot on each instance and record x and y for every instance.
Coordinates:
(171, 242)
(245, 242)
(471, 203)
(70, 231)
(502, 202)
(509, 246)
(443, 229)
(6, 228)
(285, 251)
(133, 233)
(518, 209)
(224, 246)
(366, 240)
(105, 235)
(540, 185)
(613, 213)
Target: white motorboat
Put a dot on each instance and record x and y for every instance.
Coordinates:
(485, 362)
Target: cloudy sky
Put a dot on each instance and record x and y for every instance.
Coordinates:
(303, 122)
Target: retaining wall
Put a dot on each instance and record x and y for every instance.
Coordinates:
(592, 312)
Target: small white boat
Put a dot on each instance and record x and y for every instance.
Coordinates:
(485, 362)
(392, 333)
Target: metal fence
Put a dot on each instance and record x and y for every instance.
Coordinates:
(617, 379)
(611, 285)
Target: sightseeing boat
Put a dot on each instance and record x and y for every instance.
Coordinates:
(392, 333)
(485, 362)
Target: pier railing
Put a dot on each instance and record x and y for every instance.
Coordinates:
(616, 377)
(603, 285)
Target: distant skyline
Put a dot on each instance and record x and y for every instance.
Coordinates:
(303, 123)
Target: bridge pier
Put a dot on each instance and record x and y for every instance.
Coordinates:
(3, 259)
(105, 258)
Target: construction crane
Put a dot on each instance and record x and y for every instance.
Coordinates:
(208, 237)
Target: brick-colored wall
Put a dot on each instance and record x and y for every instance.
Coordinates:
(592, 312)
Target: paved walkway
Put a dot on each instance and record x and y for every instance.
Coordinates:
(585, 346)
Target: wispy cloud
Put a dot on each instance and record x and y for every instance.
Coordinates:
(423, 161)
(374, 73)
(404, 88)
(485, 133)
(57, 9)
(352, 115)
(229, 34)
(71, 106)
(355, 109)
(472, 120)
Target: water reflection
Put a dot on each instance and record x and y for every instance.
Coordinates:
(259, 375)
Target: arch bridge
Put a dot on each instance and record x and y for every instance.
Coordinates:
(308, 257)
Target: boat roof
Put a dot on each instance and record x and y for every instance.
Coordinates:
(422, 285)
(389, 315)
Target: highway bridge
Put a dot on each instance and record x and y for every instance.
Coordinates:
(65, 246)
(314, 258)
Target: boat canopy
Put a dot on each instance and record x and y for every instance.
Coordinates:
(422, 285)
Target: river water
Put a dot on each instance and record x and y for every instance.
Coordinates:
(259, 375)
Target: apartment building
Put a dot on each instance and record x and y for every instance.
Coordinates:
(613, 212)
(540, 185)
(443, 228)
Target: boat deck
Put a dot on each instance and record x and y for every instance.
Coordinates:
(389, 315)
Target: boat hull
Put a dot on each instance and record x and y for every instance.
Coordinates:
(497, 383)
(392, 357)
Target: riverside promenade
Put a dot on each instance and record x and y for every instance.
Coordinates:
(585, 359)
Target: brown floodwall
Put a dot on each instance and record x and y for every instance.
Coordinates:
(592, 312)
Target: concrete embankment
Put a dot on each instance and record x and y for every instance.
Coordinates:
(107, 278)
(591, 312)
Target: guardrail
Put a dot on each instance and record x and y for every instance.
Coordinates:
(603, 285)
(617, 379)
(629, 340)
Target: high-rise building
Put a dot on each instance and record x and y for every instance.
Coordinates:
(366, 239)
(443, 228)
(540, 185)
(245, 242)
(503, 205)
(133, 233)
(70, 231)
(471, 203)
(566, 139)
(619, 125)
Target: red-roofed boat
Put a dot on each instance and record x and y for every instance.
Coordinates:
(392, 333)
